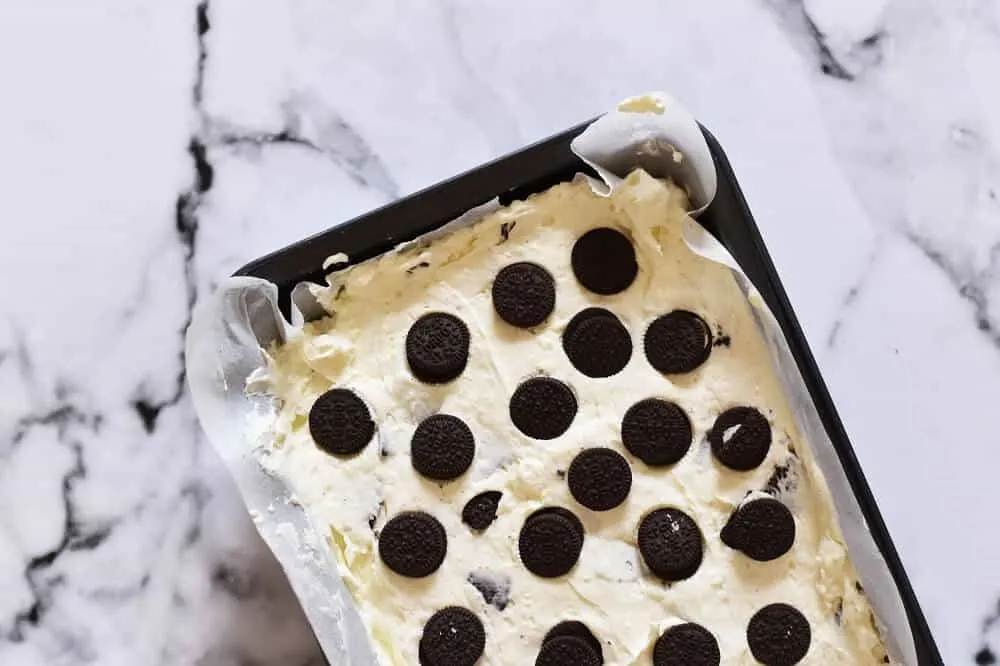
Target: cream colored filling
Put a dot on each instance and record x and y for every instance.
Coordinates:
(361, 347)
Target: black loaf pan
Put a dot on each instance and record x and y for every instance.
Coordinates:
(535, 169)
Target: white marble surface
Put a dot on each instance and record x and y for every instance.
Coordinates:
(151, 147)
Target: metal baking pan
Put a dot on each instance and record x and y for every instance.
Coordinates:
(536, 168)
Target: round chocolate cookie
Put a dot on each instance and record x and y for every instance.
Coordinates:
(599, 479)
(687, 644)
(413, 544)
(656, 432)
(677, 342)
(437, 347)
(550, 542)
(567, 651)
(340, 423)
(740, 438)
(442, 447)
(604, 261)
(576, 629)
(543, 407)
(763, 529)
(480, 511)
(524, 294)
(597, 343)
(779, 635)
(670, 544)
(453, 636)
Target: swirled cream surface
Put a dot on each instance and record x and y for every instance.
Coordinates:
(361, 347)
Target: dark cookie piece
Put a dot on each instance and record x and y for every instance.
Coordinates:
(375, 515)
(740, 438)
(779, 635)
(604, 261)
(495, 588)
(480, 511)
(567, 651)
(505, 229)
(340, 423)
(543, 407)
(599, 479)
(763, 529)
(415, 267)
(783, 478)
(722, 340)
(442, 447)
(413, 544)
(575, 629)
(656, 432)
(550, 542)
(678, 342)
(670, 544)
(437, 347)
(453, 636)
(597, 343)
(687, 644)
(524, 294)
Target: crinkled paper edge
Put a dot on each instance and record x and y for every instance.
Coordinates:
(231, 327)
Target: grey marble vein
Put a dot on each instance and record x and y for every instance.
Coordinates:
(66, 419)
(195, 494)
(343, 143)
(845, 63)
(335, 138)
(970, 286)
(987, 654)
(331, 135)
(474, 93)
(75, 534)
(148, 407)
(846, 304)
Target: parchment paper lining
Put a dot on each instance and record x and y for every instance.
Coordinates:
(232, 326)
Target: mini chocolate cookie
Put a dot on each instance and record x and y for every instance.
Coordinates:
(576, 629)
(437, 347)
(604, 261)
(597, 343)
(779, 635)
(442, 447)
(480, 511)
(543, 407)
(413, 544)
(550, 542)
(567, 651)
(453, 636)
(740, 438)
(340, 423)
(599, 478)
(656, 432)
(762, 528)
(670, 544)
(495, 588)
(677, 342)
(524, 294)
(687, 644)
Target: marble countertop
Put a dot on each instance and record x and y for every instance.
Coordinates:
(150, 148)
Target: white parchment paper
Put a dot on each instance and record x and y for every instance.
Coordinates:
(232, 326)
